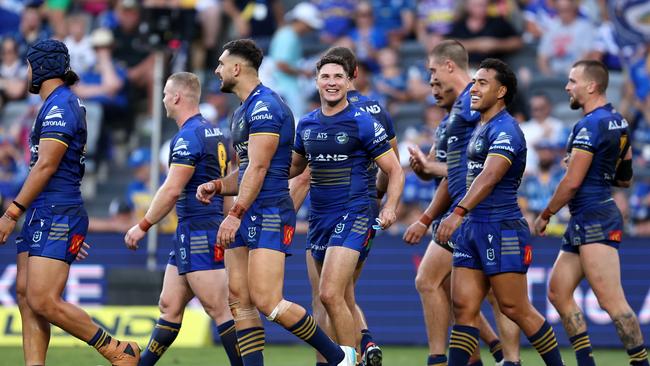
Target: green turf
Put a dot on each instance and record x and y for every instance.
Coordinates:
(281, 356)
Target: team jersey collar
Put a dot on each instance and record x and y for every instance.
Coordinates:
(607, 107)
(256, 91)
(497, 116)
(192, 120)
(55, 93)
(354, 94)
(335, 117)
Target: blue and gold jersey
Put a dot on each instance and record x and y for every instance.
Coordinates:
(460, 124)
(62, 118)
(381, 115)
(201, 147)
(339, 150)
(264, 113)
(440, 148)
(501, 137)
(604, 134)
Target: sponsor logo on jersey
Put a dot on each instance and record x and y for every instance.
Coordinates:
(379, 129)
(474, 165)
(327, 157)
(181, 144)
(259, 117)
(616, 125)
(213, 132)
(321, 136)
(373, 109)
(615, 235)
(459, 254)
(452, 139)
(583, 135)
(287, 235)
(503, 138)
(54, 123)
(260, 107)
(55, 112)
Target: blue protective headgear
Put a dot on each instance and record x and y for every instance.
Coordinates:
(49, 59)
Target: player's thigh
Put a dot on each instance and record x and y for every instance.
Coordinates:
(434, 268)
(338, 269)
(468, 289)
(236, 260)
(565, 276)
(510, 290)
(175, 293)
(602, 268)
(266, 275)
(21, 273)
(210, 286)
(46, 278)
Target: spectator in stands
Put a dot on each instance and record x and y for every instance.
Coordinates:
(13, 169)
(338, 18)
(31, 29)
(258, 19)
(13, 73)
(10, 11)
(538, 15)
(367, 37)
(391, 80)
(55, 11)
(120, 218)
(82, 55)
(569, 38)
(537, 189)
(640, 206)
(396, 18)
(434, 21)
(286, 53)
(484, 36)
(363, 83)
(541, 127)
(104, 85)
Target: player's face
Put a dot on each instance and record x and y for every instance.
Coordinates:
(444, 96)
(333, 83)
(486, 90)
(169, 99)
(439, 72)
(576, 87)
(225, 72)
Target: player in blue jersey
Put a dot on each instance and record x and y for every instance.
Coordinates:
(259, 228)
(450, 84)
(197, 154)
(339, 141)
(599, 157)
(299, 186)
(495, 250)
(55, 219)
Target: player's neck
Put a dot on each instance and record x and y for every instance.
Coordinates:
(594, 103)
(48, 86)
(488, 114)
(186, 115)
(332, 110)
(460, 83)
(245, 87)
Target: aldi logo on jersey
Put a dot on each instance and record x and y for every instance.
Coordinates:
(379, 129)
(260, 107)
(55, 112)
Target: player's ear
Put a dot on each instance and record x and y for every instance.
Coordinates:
(501, 93)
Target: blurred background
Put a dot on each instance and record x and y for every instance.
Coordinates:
(112, 44)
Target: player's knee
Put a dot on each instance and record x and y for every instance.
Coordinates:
(512, 309)
(330, 297)
(40, 304)
(279, 310)
(557, 297)
(423, 284)
(169, 307)
(263, 303)
(21, 294)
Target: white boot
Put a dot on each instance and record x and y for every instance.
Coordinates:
(350, 356)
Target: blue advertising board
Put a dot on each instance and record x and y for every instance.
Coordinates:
(386, 290)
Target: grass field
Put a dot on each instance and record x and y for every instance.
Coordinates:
(282, 356)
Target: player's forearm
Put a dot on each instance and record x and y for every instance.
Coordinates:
(250, 186)
(440, 202)
(480, 189)
(435, 169)
(381, 183)
(395, 188)
(565, 191)
(298, 189)
(36, 181)
(163, 202)
(229, 184)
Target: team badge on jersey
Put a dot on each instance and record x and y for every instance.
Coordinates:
(342, 138)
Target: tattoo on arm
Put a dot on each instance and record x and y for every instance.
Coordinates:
(574, 323)
(627, 327)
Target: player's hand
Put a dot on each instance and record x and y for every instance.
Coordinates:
(133, 236)
(83, 252)
(539, 226)
(447, 227)
(205, 192)
(387, 217)
(6, 228)
(417, 159)
(227, 231)
(414, 233)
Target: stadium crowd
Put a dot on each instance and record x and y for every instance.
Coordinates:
(540, 38)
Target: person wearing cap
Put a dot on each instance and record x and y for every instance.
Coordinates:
(56, 221)
(286, 53)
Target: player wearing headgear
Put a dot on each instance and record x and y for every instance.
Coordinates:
(196, 154)
(495, 250)
(339, 141)
(299, 186)
(258, 230)
(599, 157)
(55, 219)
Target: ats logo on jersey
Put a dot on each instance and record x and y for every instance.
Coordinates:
(287, 234)
(75, 243)
(615, 235)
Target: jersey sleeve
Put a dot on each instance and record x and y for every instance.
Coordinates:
(61, 122)
(265, 117)
(384, 118)
(585, 137)
(185, 150)
(298, 145)
(506, 142)
(441, 141)
(373, 137)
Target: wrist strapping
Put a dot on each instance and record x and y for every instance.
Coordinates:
(460, 211)
(426, 219)
(546, 214)
(237, 211)
(145, 224)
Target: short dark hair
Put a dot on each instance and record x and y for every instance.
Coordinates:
(451, 50)
(596, 71)
(347, 55)
(504, 76)
(246, 49)
(331, 59)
